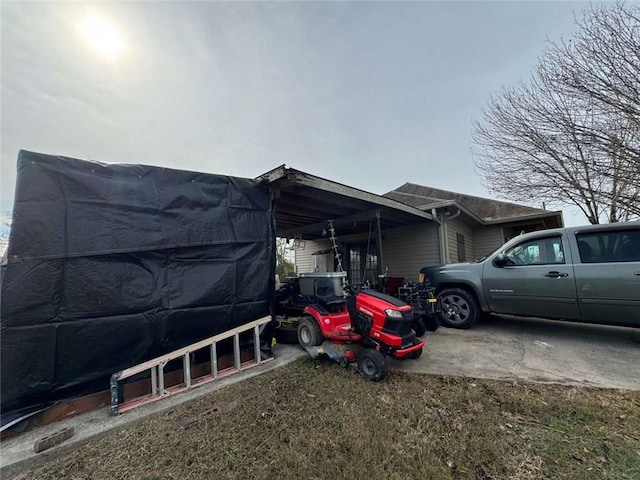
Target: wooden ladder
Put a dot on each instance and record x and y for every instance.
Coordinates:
(156, 367)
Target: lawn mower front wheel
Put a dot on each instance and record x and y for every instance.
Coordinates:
(372, 365)
(415, 355)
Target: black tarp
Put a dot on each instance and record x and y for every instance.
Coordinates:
(109, 265)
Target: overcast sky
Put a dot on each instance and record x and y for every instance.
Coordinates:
(368, 94)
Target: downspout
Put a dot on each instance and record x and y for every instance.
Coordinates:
(446, 220)
(442, 232)
(434, 215)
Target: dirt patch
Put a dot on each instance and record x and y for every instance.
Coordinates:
(314, 420)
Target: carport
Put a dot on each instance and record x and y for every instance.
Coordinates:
(304, 203)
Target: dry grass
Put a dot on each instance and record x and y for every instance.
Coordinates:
(312, 420)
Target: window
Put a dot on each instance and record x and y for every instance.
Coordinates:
(363, 264)
(541, 251)
(609, 246)
(354, 265)
(462, 255)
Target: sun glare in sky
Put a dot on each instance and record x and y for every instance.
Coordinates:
(102, 36)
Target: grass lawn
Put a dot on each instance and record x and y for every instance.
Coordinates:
(314, 420)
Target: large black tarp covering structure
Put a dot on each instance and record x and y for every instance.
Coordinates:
(110, 265)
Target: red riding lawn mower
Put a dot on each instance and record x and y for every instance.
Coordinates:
(367, 326)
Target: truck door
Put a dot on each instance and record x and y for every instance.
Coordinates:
(608, 275)
(536, 279)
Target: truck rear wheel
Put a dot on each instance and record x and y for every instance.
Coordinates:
(460, 308)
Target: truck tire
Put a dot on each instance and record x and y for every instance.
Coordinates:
(460, 308)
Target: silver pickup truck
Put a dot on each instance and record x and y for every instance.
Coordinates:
(583, 274)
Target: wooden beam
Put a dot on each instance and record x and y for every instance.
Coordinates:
(317, 227)
(305, 207)
(326, 198)
(333, 187)
(273, 175)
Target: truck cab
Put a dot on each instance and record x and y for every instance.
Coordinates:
(585, 274)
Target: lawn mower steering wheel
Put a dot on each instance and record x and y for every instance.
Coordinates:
(352, 289)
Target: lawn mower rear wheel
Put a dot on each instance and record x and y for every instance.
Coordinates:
(309, 333)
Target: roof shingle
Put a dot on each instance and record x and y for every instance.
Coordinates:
(486, 209)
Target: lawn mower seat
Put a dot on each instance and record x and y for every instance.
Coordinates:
(325, 293)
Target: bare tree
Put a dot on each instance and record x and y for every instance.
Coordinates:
(284, 263)
(571, 134)
(602, 60)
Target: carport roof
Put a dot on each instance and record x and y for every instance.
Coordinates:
(304, 204)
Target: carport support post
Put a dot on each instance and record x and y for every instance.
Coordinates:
(380, 257)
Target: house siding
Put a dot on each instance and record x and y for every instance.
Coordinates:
(303, 257)
(407, 249)
(455, 226)
(486, 240)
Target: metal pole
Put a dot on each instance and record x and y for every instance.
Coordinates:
(187, 370)
(256, 342)
(380, 257)
(214, 360)
(236, 350)
(161, 378)
(154, 380)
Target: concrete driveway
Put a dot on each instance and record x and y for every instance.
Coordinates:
(503, 347)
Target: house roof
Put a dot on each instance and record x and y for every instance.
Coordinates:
(485, 210)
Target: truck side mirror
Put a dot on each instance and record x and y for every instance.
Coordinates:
(501, 260)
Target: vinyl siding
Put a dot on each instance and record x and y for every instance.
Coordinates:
(486, 240)
(455, 226)
(303, 257)
(407, 249)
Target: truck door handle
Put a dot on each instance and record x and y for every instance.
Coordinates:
(555, 274)
(636, 273)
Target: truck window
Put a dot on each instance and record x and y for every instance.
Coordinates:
(609, 246)
(539, 251)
